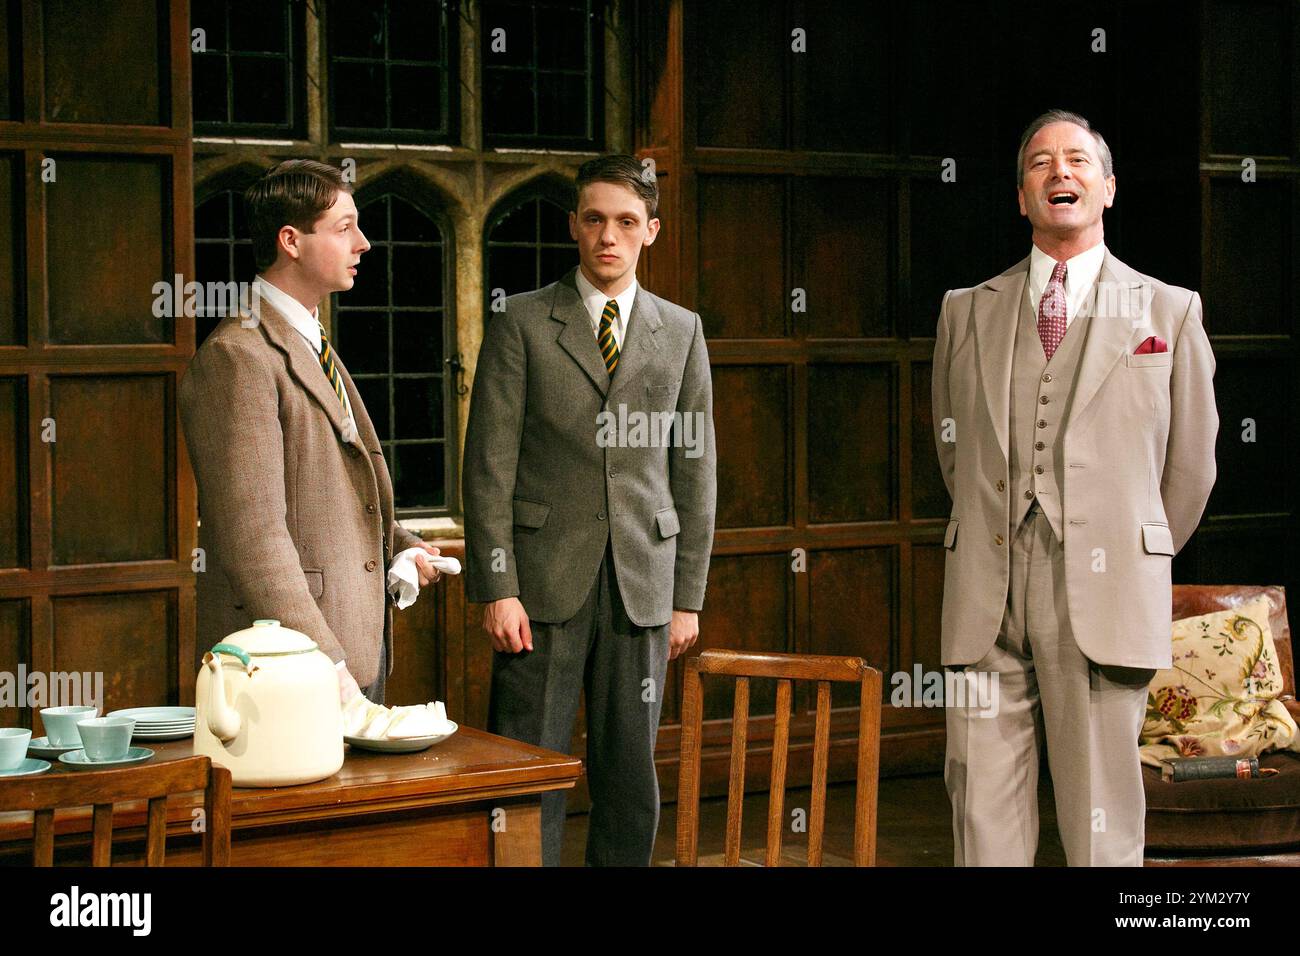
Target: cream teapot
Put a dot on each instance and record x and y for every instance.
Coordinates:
(267, 703)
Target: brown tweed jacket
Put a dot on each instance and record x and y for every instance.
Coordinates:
(296, 508)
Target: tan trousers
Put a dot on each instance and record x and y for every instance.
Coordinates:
(1091, 715)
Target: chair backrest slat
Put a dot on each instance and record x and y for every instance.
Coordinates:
(156, 839)
(776, 790)
(736, 783)
(784, 668)
(101, 847)
(821, 762)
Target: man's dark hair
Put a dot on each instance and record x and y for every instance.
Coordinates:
(621, 170)
(295, 193)
(1062, 116)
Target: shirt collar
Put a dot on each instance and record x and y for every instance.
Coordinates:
(305, 323)
(595, 300)
(1080, 272)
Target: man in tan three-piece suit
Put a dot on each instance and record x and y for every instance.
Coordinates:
(1075, 422)
(296, 503)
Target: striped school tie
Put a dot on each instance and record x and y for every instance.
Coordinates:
(331, 373)
(605, 337)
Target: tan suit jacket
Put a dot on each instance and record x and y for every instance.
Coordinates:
(1139, 462)
(297, 520)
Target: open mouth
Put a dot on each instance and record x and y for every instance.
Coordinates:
(1062, 199)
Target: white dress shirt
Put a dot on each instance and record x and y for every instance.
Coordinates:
(595, 301)
(1080, 273)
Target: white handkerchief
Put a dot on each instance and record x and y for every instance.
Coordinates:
(404, 576)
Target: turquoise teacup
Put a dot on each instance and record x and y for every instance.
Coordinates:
(13, 746)
(61, 724)
(106, 738)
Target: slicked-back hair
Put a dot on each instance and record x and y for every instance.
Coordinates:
(295, 193)
(621, 170)
(1062, 116)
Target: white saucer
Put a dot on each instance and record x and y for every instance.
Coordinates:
(78, 760)
(30, 767)
(402, 745)
(41, 747)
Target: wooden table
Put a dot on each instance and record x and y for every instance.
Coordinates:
(472, 800)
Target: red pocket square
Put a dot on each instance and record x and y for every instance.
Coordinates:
(1154, 344)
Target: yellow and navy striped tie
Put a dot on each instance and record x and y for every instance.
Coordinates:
(331, 373)
(608, 343)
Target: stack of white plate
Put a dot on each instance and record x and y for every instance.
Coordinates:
(160, 723)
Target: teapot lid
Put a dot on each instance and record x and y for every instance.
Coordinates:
(266, 636)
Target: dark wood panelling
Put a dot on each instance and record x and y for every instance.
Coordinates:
(842, 243)
(1159, 228)
(748, 609)
(1251, 59)
(949, 85)
(111, 462)
(751, 417)
(108, 244)
(14, 505)
(742, 290)
(970, 214)
(841, 82)
(81, 39)
(12, 331)
(740, 58)
(10, 78)
(1251, 480)
(929, 494)
(15, 649)
(851, 441)
(130, 638)
(1249, 274)
(1244, 554)
(852, 603)
(927, 606)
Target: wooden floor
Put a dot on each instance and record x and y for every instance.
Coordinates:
(915, 827)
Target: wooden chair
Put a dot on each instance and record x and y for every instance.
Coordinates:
(101, 789)
(785, 668)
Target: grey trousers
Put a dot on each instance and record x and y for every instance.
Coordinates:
(1091, 715)
(621, 669)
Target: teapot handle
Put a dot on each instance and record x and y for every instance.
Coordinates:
(233, 651)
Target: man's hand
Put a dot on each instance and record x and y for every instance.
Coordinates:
(428, 573)
(348, 686)
(507, 622)
(683, 631)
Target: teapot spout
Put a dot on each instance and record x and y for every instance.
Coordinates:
(223, 720)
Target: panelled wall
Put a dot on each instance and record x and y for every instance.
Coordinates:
(96, 501)
(808, 220)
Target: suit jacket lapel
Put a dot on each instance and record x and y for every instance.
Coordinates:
(997, 310)
(576, 337)
(305, 368)
(639, 343)
(1117, 314)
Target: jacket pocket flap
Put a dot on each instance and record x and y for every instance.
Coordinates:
(530, 514)
(315, 581)
(950, 534)
(668, 523)
(1157, 539)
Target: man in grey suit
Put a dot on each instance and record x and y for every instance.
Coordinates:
(589, 489)
(1075, 422)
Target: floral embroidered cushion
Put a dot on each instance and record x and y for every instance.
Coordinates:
(1221, 696)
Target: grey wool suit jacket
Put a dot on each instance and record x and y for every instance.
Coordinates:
(556, 468)
(1139, 462)
(297, 510)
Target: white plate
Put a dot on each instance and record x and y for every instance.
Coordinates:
(162, 728)
(403, 745)
(157, 715)
(170, 735)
